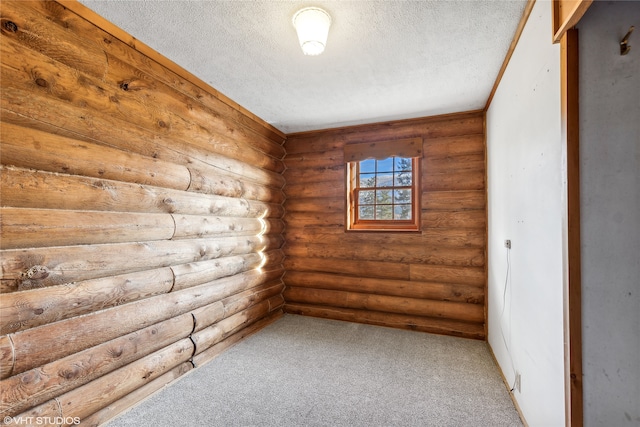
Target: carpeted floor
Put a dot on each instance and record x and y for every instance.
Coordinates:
(303, 371)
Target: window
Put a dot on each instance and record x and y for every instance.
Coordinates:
(383, 192)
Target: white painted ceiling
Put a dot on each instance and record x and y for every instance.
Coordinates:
(384, 59)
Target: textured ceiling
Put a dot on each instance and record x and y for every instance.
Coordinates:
(384, 60)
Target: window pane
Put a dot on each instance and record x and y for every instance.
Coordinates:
(384, 212)
(402, 212)
(385, 180)
(384, 197)
(367, 180)
(385, 165)
(368, 165)
(366, 212)
(402, 196)
(402, 178)
(403, 163)
(367, 197)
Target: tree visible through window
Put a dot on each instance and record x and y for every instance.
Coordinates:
(383, 194)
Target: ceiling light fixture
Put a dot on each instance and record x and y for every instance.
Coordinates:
(312, 25)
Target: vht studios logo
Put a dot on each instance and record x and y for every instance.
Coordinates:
(41, 421)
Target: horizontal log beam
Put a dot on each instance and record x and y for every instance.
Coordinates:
(36, 386)
(318, 159)
(102, 416)
(106, 97)
(40, 384)
(211, 335)
(389, 270)
(24, 188)
(391, 320)
(215, 350)
(325, 189)
(124, 47)
(40, 306)
(462, 219)
(197, 273)
(315, 175)
(24, 269)
(209, 173)
(453, 180)
(30, 148)
(441, 237)
(400, 288)
(313, 204)
(447, 274)
(398, 253)
(31, 228)
(387, 304)
(38, 346)
(454, 163)
(454, 200)
(95, 395)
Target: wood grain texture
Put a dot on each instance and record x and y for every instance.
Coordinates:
(24, 269)
(135, 202)
(31, 228)
(7, 356)
(40, 384)
(401, 288)
(29, 148)
(36, 189)
(40, 306)
(386, 303)
(112, 410)
(402, 321)
(37, 346)
(390, 278)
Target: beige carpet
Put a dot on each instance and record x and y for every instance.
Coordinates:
(302, 371)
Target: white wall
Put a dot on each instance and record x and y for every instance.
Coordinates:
(610, 214)
(526, 177)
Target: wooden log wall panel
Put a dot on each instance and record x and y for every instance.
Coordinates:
(433, 280)
(117, 43)
(394, 320)
(389, 270)
(213, 351)
(24, 269)
(56, 82)
(401, 288)
(114, 409)
(7, 356)
(138, 208)
(45, 382)
(30, 228)
(442, 237)
(386, 303)
(88, 398)
(40, 306)
(34, 149)
(37, 189)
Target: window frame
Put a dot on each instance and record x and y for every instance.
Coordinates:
(353, 223)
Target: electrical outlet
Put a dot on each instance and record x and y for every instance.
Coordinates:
(518, 382)
(507, 244)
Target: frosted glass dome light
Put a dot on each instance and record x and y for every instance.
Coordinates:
(312, 25)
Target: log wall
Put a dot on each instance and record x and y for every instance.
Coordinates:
(431, 281)
(141, 218)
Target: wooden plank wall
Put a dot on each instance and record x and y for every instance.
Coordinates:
(141, 220)
(431, 281)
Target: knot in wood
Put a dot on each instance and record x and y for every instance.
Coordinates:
(10, 26)
(37, 272)
(124, 86)
(41, 82)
